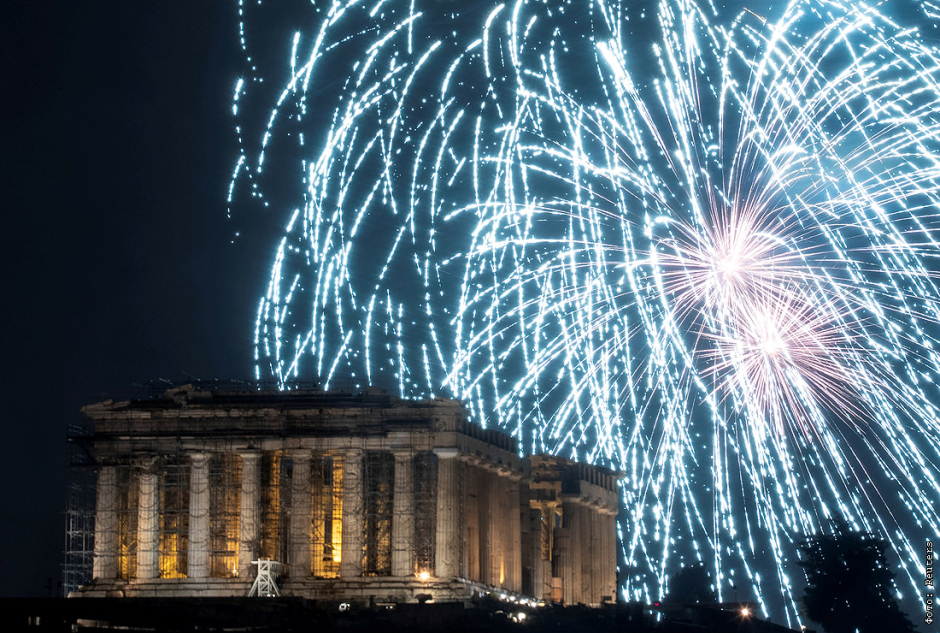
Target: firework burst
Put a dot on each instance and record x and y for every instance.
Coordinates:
(689, 245)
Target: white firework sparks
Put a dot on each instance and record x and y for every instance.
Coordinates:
(690, 247)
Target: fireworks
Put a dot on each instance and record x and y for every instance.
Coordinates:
(691, 244)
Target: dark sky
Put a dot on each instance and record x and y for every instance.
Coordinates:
(116, 144)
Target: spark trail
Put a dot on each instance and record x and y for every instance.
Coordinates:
(692, 244)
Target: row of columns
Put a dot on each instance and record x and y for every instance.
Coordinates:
(584, 551)
(490, 525)
(447, 548)
(105, 565)
(447, 551)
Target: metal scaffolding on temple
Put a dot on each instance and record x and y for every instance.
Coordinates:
(186, 493)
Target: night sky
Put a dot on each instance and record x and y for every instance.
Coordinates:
(116, 150)
(117, 145)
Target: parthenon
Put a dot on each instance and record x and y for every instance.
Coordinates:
(356, 497)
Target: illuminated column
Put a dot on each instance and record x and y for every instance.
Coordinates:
(569, 551)
(579, 552)
(597, 576)
(600, 578)
(463, 472)
(531, 524)
(249, 524)
(493, 531)
(105, 561)
(447, 545)
(502, 491)
(199, 516)
(515, 534)
(536, 526)
(606, 563)
(147, 532)
(613, 548)
(482, 483)
(608, 539)
(589, 555)
(561, 558)
(583, 544)
(300, 538)
(351, 564)
(403, 515)
(472, 522)
(603, 556)
(547, 510)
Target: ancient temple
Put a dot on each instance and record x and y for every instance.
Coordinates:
(354, 497)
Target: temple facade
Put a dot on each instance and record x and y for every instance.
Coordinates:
(354, 497)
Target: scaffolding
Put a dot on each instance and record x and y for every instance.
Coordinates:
(225, 481)
(173, 478)
(220, 493)
(265, 583)
(273, 541)
(326, 514)
(173, 513)
(79, 533)
(80, 512)
(127, 483)
(379, 480)
(425, 511)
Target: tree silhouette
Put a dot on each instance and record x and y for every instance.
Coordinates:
(850, 586)
(691, 584)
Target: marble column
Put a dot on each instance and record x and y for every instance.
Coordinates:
(602, 563)
(533, 523)
(447, 544)
(249, 521)
(610, 547)
(515, 534)
(148, 554)
(472, 522)
(403, 515)
(603, 556)
(608, 564)
(561, 558)
(463, 471)
(483, 522)
(502, 490)
(493, 531)
(568, 552)
(351, 564)
(579, 551)
(105, 560)
(598, 577)
(199, 516)
(547, 510)
(300, 537)
(537, 516)
(588, 555)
